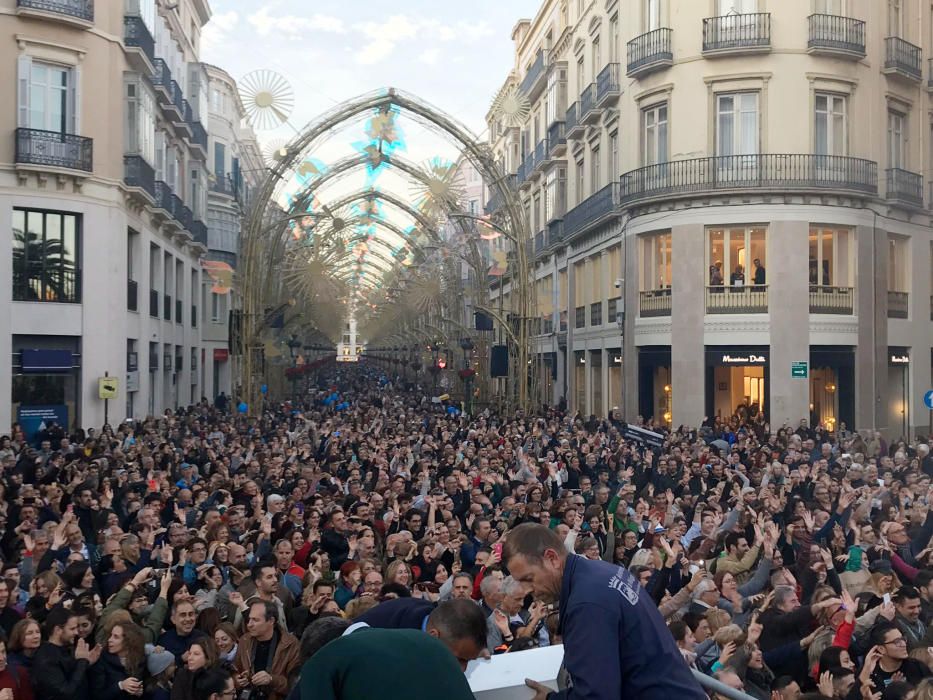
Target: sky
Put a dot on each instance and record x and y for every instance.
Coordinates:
(453, 53)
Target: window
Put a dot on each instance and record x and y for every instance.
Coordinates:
(652, 15)
(46, 256)
(655, 262)
(140, 122)
(47, 96)
(830, 256)
(536, 213)
(898, 264)
(895, 18)
(613, 156)
(737, 124)
(831, 137)
(614, 47)
(897, 140)
(581, 75)
(737, 7)
(220, 160)
(737, 256)
(595, 174)
(580, 176)
(597, 56)
(829, 7)
(654, 140)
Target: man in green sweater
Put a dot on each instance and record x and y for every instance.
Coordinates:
(388, 664)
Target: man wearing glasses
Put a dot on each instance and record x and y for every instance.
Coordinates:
(888, 657)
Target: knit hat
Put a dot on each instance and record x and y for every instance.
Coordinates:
(158, 661)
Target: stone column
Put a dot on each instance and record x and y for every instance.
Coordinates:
(871, 308)
(688, 289)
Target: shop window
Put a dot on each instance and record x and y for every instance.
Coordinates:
(655, 257)
(737, 257)
(830, 257)
(46, 256)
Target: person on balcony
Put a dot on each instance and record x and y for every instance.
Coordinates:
(759, 275)
(715, 277)
(737, 278)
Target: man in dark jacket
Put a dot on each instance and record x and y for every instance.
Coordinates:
(785, 624)
(615, 640)
(334, 539)
(63, 665)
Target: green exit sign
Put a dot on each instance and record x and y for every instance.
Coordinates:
(799, 369)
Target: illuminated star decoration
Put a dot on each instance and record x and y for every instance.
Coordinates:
(438, 190)
(384, 138)
(512, 107)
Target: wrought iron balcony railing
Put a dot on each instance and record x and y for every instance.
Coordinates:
(162, 78)
(138, 173)
(596, 313)
(79, 9)
(587, 101)
(904, 186)
(902, 58)
(198, 134)
(534, 75)
(54, 149)
(572, 121)
(767, 171)
(185, 218)
(898, 303)
(836, 35)
(650, 52)
(154, 304)
(608, 86)
(167, 311)
(56, 285)
(592, 210)
(655, 302)
(132, 295)
(224, 185)
(555, 231)
(137, 35)
(737, 32)
(199, 232)
(556, 137)
(580, 317)
(164, 198)
(831, 300)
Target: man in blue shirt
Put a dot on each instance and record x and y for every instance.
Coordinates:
(616, 644)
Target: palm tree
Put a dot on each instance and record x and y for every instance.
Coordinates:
(42, 269)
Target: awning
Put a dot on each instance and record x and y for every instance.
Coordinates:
(221, 275)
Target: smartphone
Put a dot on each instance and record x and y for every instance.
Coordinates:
(694, 569)
(497, 549)
(886, 598)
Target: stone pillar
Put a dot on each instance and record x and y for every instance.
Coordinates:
(871, 308)
(688, 288)
(629, 305)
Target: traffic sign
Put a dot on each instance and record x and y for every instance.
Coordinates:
(107, 387)
(799, 369)
(928, 399)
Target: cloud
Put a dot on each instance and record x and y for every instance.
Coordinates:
(293, 26)
(216, 32)
(429, 56)
(384, 36)
(375, 51)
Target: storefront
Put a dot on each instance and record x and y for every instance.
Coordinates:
(46, 381)
(737, 381)
(832, 387)
(596, 383)
(655, 392)
(899, 391)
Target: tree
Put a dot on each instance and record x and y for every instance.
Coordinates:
(42, 269)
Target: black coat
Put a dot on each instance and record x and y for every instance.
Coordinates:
(105, 675)
(62, 677)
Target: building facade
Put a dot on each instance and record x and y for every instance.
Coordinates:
(236, 169)
(103, 199)
(730, 207)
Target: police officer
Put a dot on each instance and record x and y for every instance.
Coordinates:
(615, 642)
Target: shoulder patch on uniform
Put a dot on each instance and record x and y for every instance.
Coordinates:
(625, 583)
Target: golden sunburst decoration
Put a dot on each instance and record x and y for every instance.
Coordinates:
(425, 293)
(438, 189)
(274, 152)
(267, 97)
(512, 107)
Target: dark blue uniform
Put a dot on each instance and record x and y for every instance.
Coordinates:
(616, 644)
(399, 614)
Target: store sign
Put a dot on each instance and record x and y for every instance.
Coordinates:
(221, 354)
(899, 359)
(743, 359)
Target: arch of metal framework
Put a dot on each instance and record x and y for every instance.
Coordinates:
(264, 238)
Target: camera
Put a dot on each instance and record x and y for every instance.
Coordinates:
(618, 283)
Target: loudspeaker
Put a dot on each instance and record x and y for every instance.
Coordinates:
(482, 321)
(499, 361)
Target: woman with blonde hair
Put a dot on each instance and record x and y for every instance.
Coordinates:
(399, 572)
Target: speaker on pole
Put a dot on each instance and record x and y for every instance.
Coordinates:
(499, 361)
(483, 321)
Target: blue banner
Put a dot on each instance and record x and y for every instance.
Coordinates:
(35, 419)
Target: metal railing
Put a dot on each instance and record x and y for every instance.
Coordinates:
(54, 149)
(178, 319)
(607, 83)
(654, 302)
(185, 218)
(194, 316)
(548, 325)
(137, 35)
(540, 242)
(154, 303)
(138, 173)
(224, 185)
(179, 363)
(831, 300)
(541, 152)
(737, 300)
(737, 31)
(162, 77)
(535, 73)
(198, 134)
(178, 98)
(571, 121)
(596, 313)
(898, 303)
(58, 285)
(132, 295)
(903, 57)
(592, 209)
(904, 186)
(80, 9)
(773, 171)
(167, 307)
(164, 198)
(650, 50)
(556, 137)
(835, 33)
(587, 100)
(555, 231)
(199, 232)
(580, 318)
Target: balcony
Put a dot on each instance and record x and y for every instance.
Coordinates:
(139, 175)
(52, 149)
(153, 361)
(608, 87)
(773, 172)
(842, 37)
(650, 52)
(132, 295)
(536, 77)
(175, 105)
(580, 317)
(589, 112)
(897, 304)
(654, 303)
(737, 300)
(592, 210)
(596, 314)
(140, 46)
(612, 309)
(904, 187)
(902, 59)
(162, 80)
(223, 185)
(555, 232)
(194, 316)
(199, 232)
(154, 303)
(540, 242)
(164, 204)
(79, 12)
(556, 140)
(737, 33)
(185, 218)
(541, 157)
(183, 125)
(167, 362)
(198, 136)
(178, 319)
(573, 127)
(53, 285)
(832, 300)
(167, 307)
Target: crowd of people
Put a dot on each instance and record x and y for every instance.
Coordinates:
(205, 555)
